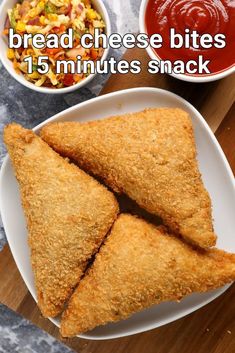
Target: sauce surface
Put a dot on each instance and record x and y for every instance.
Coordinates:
(204, 16)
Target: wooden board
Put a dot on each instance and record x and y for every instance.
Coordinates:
(210, 329)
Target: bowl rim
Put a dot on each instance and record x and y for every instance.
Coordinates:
(20, 78)
(189, 78)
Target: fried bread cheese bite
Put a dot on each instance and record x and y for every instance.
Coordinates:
(68, 214)
(138, 266)
(151, 157)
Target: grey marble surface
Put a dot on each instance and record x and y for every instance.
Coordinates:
(17, 335)
(29, 108)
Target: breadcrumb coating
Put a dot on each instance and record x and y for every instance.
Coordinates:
(138, 266)
(68, 214)
(151, 157)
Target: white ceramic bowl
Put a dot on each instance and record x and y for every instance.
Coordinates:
(217, 177)
(154, 56)
(8, 4)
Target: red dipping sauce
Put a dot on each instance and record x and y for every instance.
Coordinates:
(203, 16)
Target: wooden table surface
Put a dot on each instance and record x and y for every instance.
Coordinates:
(208, 330)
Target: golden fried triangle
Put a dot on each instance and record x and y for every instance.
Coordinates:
(68, 214)
(138, 266)
(151, 157)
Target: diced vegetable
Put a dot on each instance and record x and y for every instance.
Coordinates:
(10, 53)
(53, 51)
(94, 53)
(68, 80)
(35, 67)
(20, 26)
(42, 20)
(50, 8)
(34, 76)
(13, 20)
(52, 17)
(35, 21)
(91, 14)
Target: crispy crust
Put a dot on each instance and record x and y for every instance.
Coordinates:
(138, 266)
(150, 156)
(68, 214)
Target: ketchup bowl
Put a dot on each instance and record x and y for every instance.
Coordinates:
(211, 17)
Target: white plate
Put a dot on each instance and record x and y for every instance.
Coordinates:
(216, 173)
